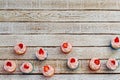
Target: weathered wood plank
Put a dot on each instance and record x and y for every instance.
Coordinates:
(59, 4)
(55, 53)
(63, 77)
(56, 40)
(60, 67)
(63, 28)
(59, 16)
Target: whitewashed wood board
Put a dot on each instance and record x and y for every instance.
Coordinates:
(55, 53)
(63, 77)
(56, 40)
(59, 4)
(51, 16)
(58, 28)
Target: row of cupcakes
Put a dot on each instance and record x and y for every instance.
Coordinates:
(66, 48)
(94, 63)
(72, 63)
(27, 67)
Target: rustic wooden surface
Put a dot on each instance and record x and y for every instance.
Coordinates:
(88, 24)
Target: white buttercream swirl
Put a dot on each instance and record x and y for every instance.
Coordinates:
(115, 45)
(18, 50)
(41, 56)
(92, 65)
(10, 68)
(110, 65)
(50, 72)
(30, 69)
(73, 65)
(68, 49)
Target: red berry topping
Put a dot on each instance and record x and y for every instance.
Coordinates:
(26, 66)
(41, 51)
(9, 64)
(65, 45)
(97, 61)
(116, 39)
(21, 45)
(46, 68)
(72, 60)
(113, 62)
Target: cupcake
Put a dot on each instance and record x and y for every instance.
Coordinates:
(41, 54)
(9, 66)
(26, 67)
(66, 47)
(20, 48)
(94, 64)
(115, 43)
(48, 71)
(112, 64)
(72, 63)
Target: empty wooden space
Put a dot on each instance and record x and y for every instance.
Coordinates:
(89, 25)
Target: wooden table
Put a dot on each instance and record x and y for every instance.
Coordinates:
(88, 24)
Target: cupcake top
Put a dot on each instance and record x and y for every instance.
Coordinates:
(94, 63)
(72, 63)
(48, 70)
(26, 67)
(66, 46)
(116, 42)
(41, 54)
(9, 65)
(112, 63)
(20, 48)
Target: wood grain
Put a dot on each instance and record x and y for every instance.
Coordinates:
(63, 77)
(56, 40)
(59, 4)
(55, 53)
(51, 16)
(58, 28)
(60, 67)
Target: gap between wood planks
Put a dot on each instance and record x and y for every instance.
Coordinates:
(59, 9)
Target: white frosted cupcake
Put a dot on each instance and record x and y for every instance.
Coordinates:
(26, 67)
(94, 64)
(41, 54)
(20, 48)
(9, 66)
(48, 71)
(115, 43)
(72, 63)
(112, 64)
(66, 47)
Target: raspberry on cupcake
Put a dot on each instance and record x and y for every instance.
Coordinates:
(94, 64)
(20, 48)
(72, 63)
(41, 54)
(112, 64)
(26, 67)
(9, 66)
(48, 71)
(115, 43)
(66, 47)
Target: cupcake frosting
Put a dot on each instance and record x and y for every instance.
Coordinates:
(115, 43)
(112, 63)
(41, 54)
(48, 70)
(66, 47)
(9, 65)
(20, 48)
(26, 67)
(94, 64)
(72, 63)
